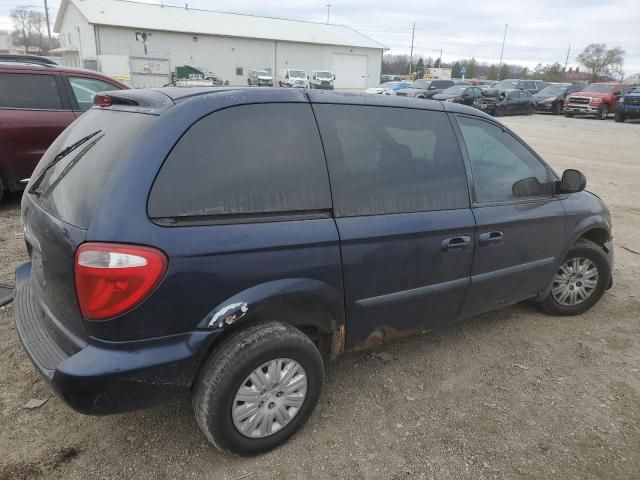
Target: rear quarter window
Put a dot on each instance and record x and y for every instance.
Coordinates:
(29, 91)
(245, 161)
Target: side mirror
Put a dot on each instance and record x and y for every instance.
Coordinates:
(334, 77)
(573, 181)
(618, 92)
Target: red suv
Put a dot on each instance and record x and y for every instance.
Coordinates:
(37, 102)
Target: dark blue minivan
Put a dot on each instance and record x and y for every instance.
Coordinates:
(221, 244)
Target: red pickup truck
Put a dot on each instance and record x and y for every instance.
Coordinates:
(597, 99)
(37, 102)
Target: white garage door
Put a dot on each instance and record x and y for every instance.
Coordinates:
(350, 70)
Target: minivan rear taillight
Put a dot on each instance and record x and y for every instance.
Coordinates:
(112, 278)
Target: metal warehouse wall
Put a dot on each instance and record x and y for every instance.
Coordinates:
(224, 55)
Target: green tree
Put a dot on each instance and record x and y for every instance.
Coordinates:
(436, 64)
(455, 70)
(492, 73)
(505, 71)
(420, 68)
(598, 59)
(472, 67)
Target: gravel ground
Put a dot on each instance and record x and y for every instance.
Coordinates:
(513, 394)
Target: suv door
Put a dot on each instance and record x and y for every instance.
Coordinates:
(519, 223)
(401, 204)
(33, 112)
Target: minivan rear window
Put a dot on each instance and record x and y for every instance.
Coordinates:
(261, 160)
(71, 188)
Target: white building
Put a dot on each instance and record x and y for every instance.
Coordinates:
(143, 43)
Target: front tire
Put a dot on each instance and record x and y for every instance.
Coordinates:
(557, 109)
(580, 282)
(1, 189)
(619, 117)
(568, 115)
(258, 388)
(499, 112)
(603, 112)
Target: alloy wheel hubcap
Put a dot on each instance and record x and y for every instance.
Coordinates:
(269, 398)
(575, 282)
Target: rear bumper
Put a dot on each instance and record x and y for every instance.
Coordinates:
(108, 377)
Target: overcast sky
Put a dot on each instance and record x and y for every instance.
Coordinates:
(539, 31)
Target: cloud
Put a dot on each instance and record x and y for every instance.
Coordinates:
(538, 32)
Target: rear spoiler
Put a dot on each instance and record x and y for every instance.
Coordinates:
(135, 100)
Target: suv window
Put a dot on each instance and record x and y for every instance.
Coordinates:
(238, 162)
(442, 83)
(32, 91)
(391, 160)
(498, 161)
(85, 89)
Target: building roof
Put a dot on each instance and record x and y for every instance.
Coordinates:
(151, 16)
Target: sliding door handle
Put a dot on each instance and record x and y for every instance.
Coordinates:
(490, 238)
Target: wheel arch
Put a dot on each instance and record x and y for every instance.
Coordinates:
(312, 306)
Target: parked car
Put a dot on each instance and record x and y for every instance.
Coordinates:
(391, 78)
(166, 262)
(427, 88)
(387, 86)
(628, 106)
(260, 78)
(505, 102)
(465, 94)
(293, 78)
(551, 98)
(598, 99)
(37, 102)
(322, 79)
(531, 86)
(31, 59)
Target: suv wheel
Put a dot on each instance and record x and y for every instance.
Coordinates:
(1, 189)
(603, 112)
(580, 282)
(258, 388)
(619, 117)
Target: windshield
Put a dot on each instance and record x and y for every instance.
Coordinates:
(297, 74)
(553, 90)
(324, 75)
(262, 73)
(598, 87)
(455, 90)
(424, 84)
(506, 85)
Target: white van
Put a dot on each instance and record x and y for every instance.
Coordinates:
(291, 77)
(322, 79)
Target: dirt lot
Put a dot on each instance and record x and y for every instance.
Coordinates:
(512, 394)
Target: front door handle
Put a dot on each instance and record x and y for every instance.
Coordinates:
(490, 238)
(455, 244)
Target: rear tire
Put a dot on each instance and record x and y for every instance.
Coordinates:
(588, 253)
(619, 117)
(226, 373)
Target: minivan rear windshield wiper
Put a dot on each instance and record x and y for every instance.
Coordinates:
(36, 183)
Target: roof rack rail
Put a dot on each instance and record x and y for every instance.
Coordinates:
(33, 59)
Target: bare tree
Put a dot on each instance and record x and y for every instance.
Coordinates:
(598, 59)
(29, 29)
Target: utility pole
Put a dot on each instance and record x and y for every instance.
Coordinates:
(328, 12)
(502, 51)
(566, 62)
(413, 34)
(46, 13)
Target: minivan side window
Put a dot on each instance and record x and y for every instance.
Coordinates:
(503, 169)
(245, 160)
(29, 91)
(386, 160)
